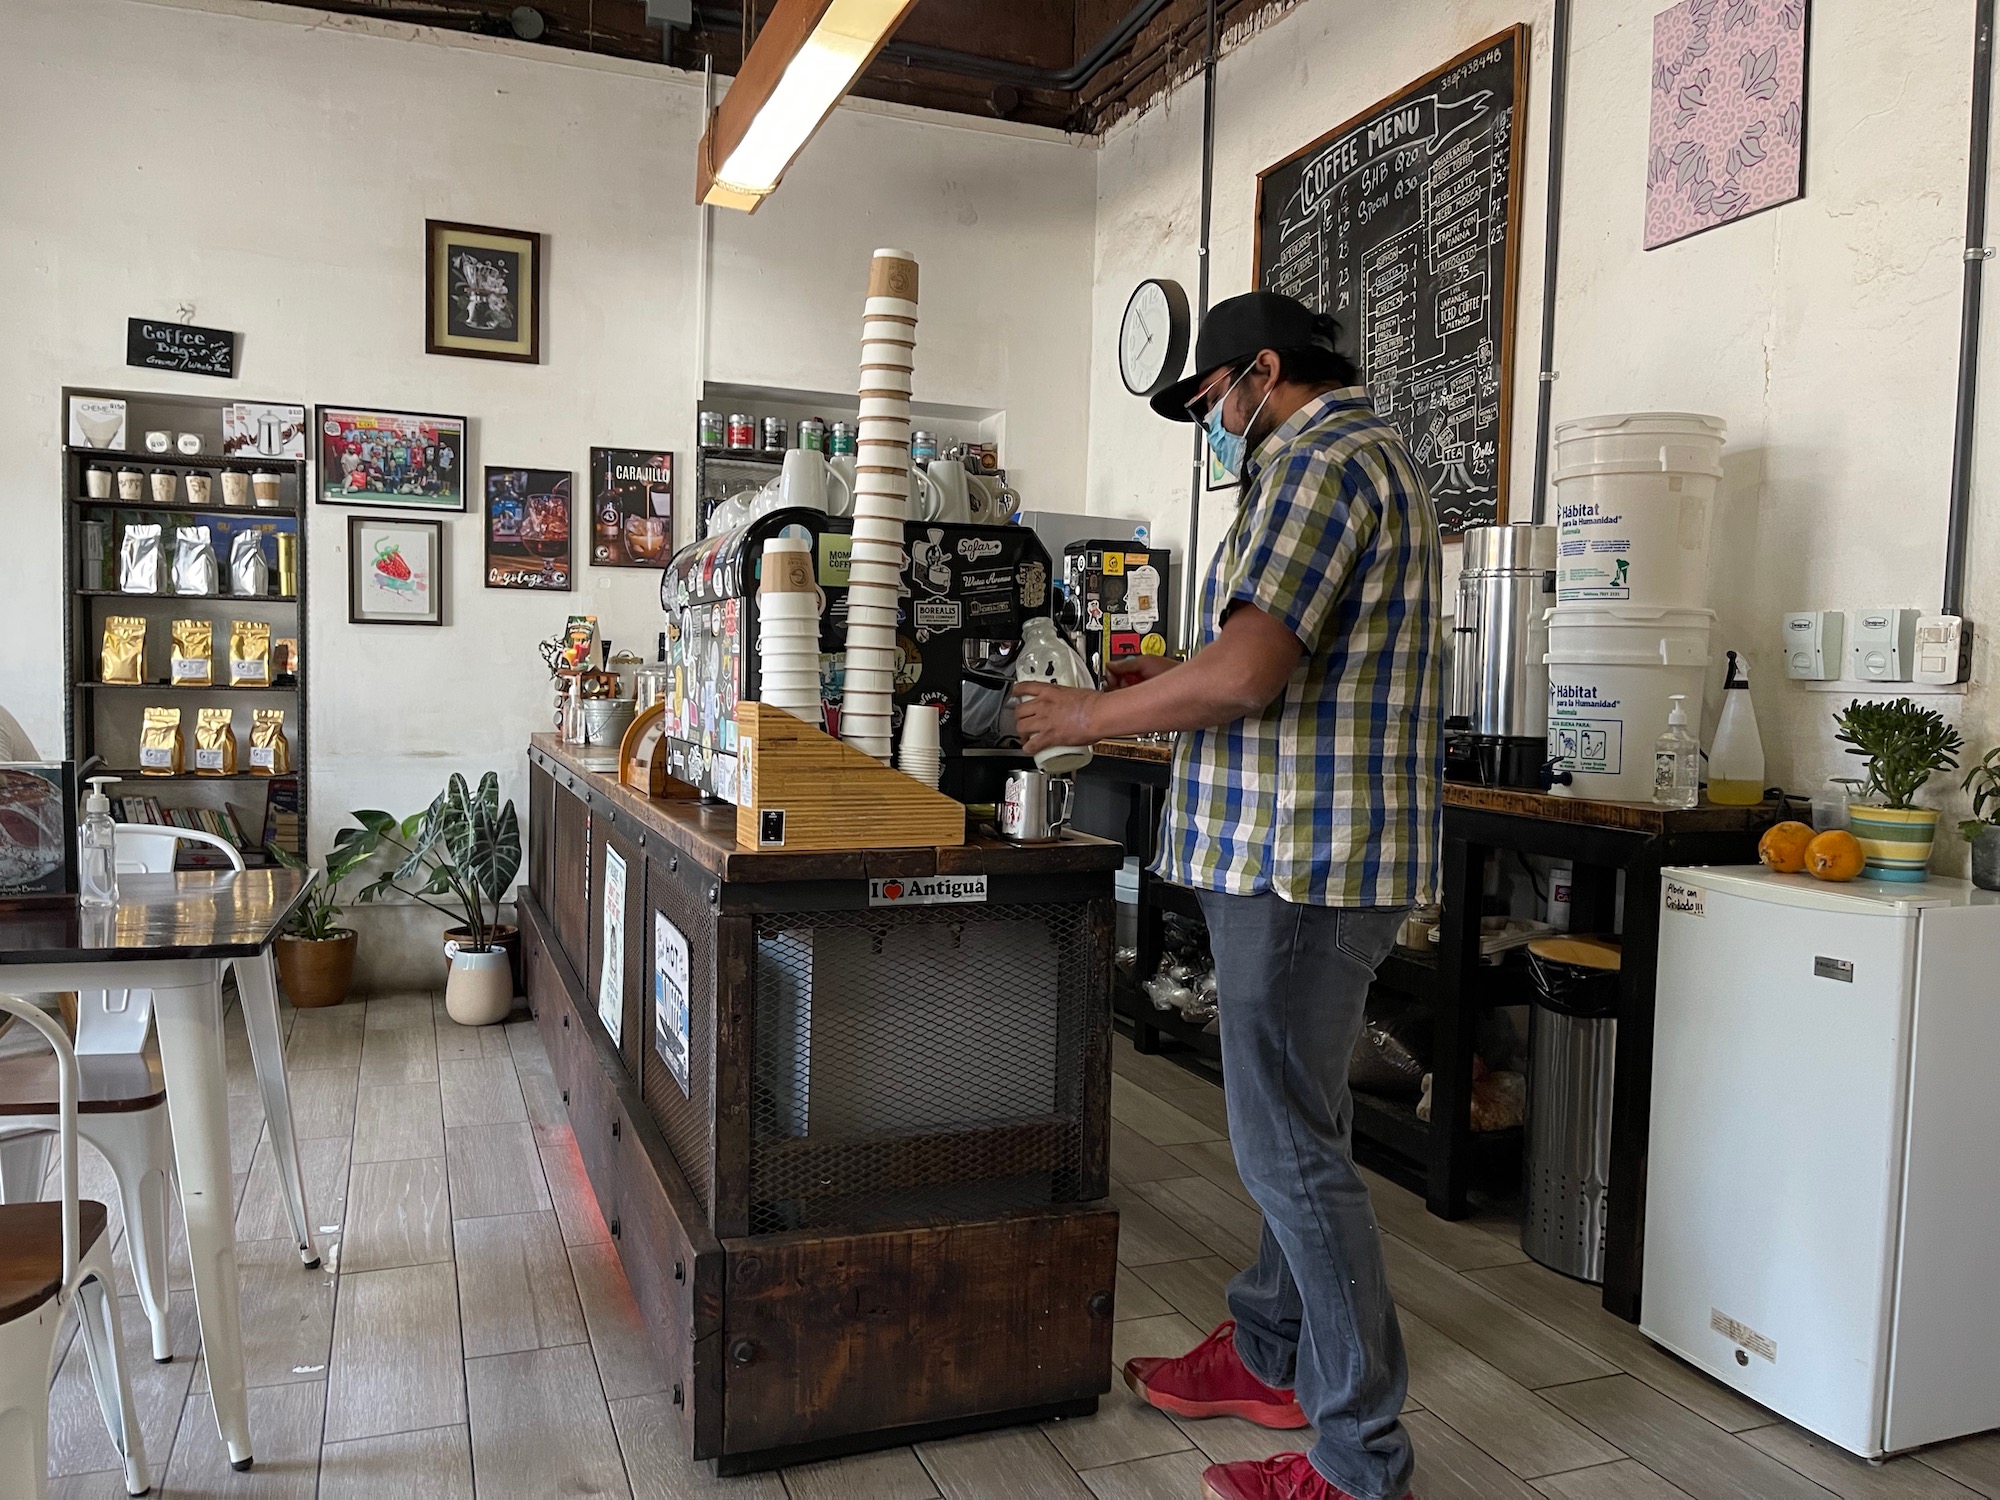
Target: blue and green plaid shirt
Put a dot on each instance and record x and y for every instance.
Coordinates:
(1331, 795)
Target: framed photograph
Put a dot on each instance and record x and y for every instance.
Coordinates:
(395, 571)
(395, 458)
(483, 292)
(1214, 476)
(37, 832)
(631, 508)
(527, 529)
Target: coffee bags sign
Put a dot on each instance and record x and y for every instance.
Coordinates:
(180, 347)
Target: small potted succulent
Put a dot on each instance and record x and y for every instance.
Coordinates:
(1903, 745)
(465, 848)
(315, 953)
(1982, 829)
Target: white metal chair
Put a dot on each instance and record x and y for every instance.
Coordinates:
(54, 1256)
(128, 1123)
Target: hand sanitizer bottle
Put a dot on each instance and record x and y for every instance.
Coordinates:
(97, 848)
(1677, 760)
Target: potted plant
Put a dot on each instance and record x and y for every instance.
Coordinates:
(315, 953)
(1903, 745)
(464, 849)
(1982, 829)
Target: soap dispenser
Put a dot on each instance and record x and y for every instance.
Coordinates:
(1736, 759)
(97, 848)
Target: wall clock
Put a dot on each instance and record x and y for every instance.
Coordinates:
(1153, 337)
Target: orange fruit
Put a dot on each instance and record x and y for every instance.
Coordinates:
(1834, 855)
(1783, 847)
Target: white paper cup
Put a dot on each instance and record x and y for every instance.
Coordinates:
(887, 353)
(872, 673)
(920, 727)
(878, 531)
(877, 382)
(873, 657)
(890, 307)
(870, 549)
(881, 615)
(885, 409)
(874, 575)
(787, 604)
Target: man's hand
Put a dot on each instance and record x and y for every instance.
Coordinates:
(1125, 671)
(1046, 715)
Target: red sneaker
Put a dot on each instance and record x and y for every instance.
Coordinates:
(1289, 1476)
(1210, 1381)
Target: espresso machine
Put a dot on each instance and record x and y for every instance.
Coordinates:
(1496, 723)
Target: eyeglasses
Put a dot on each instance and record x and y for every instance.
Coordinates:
(1213, 392)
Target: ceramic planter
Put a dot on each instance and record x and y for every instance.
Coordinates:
(480, 990)
(507, 939)
(1986, 857)
(316, 971)
(1895, 841)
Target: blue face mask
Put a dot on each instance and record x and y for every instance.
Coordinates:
(1228, 446)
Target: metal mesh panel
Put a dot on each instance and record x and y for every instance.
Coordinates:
(683, 1118)
(917, 1065)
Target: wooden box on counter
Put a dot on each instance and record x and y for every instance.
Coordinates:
(874, 1212)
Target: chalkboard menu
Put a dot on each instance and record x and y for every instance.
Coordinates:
(1402, 224)
(180, 346)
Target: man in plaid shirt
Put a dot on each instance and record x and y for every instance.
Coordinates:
(1305, 811)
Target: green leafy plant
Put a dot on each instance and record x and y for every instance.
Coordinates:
(1902, 743)
(465, 848)
(1983, 781)
(318, 916)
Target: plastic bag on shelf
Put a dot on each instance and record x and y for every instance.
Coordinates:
(1499, 1100)
(1392, 1055)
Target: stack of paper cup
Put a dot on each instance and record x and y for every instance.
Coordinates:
(788, 630)
(881, 500)
(919, 755)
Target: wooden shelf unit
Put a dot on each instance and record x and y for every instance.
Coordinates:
(100, 712)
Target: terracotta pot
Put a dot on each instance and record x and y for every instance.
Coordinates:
(316, 971)
(499, 935)
(480, 990)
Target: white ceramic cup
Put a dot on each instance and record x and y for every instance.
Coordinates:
(993, 503)
(950, 500)
(803, 481)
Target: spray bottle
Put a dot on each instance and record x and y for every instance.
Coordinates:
(1736, 759)
(97, 848)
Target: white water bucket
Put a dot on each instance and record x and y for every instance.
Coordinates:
(1612, 670)
(1634, 498)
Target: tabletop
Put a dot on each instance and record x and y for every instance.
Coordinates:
(189, 914)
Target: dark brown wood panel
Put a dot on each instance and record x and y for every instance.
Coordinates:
(735, 1046)
(541, 845)
(1632, 817)
(572, 877)
(678, 1288)
(857, 1333)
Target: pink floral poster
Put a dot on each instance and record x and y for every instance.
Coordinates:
(1728, 118)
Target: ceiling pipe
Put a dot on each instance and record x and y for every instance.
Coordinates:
(1198, 478)
(991, 69)
(1551, 242)
(1977, 253)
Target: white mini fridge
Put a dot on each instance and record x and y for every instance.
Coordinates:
(1823, 1193)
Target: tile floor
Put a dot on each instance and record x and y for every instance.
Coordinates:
(478, 1336)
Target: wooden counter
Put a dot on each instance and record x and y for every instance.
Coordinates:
(871, 1213)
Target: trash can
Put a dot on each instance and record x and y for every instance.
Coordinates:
(1572, 1047)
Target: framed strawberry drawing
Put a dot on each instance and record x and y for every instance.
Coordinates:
(395, 571)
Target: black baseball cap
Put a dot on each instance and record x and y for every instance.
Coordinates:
(1235, 329)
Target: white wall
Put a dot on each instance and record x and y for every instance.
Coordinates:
(274, 168)
(1825, 332)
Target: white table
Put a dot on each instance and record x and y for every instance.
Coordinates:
(172, 934)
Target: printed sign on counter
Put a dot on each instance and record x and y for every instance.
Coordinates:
(670, 997)
(611, 979)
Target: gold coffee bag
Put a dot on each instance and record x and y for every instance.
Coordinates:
(269, 754)
(214, 742)
(194, 651)
(124, 655)
(249, 653)
(160, 743)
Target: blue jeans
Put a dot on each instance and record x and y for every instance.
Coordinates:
(1313, 1315)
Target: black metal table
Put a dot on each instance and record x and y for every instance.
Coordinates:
(1601, 840)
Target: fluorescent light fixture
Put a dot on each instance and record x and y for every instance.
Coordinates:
(805, 58)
